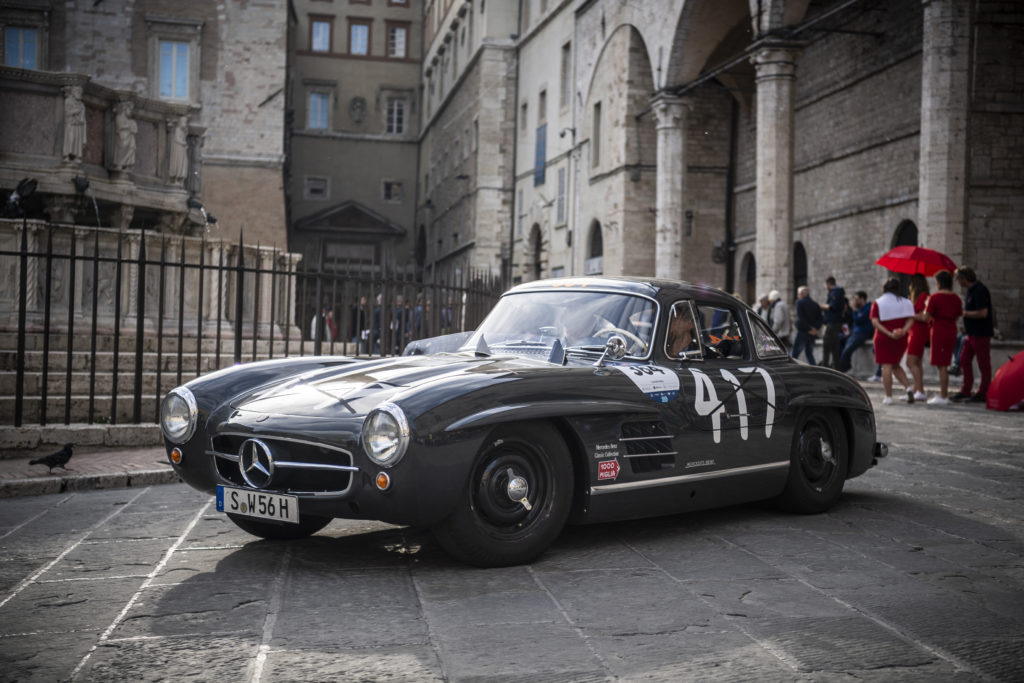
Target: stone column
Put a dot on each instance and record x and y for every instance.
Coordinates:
(945, 79)
(775, 64)
(671, 185)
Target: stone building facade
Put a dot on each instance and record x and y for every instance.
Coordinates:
(175, 108)
(355, 106)
(764, 145)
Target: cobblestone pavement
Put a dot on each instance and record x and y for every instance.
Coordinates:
(917, 575)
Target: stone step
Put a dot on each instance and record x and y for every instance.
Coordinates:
(58, 342)
(79, 409)
(56, 382)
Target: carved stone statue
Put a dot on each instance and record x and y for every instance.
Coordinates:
(74, 124)
(124, 145)
(177, 163)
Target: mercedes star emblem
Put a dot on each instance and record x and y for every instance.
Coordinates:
(256, 463)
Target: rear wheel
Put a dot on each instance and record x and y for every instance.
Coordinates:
(818, 463)
(516, 500)
(307, 526)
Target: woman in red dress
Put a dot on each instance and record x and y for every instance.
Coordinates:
(918, 337)
(892, 315)
(944, 307)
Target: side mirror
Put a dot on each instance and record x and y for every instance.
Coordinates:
(614, 348)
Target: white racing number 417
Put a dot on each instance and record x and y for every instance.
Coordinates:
(706, 401)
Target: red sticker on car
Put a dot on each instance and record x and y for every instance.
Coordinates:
(608, 469)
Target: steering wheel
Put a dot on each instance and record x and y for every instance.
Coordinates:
(609, 331)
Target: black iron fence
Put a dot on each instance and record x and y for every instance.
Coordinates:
(105, 321)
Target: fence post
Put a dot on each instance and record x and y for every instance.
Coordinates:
(19, 383)
(239, 301)
(140, 330)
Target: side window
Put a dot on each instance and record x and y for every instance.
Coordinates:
(682, 340)
(766, 343)
(720, 332)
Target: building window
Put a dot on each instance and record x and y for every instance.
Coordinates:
(540, 154)
(558, 271)
(398, 3)
(595, 136)
(519, 216)
(542, 107)
(391, 191)
(316, 188)
(20, 47)
(564, 93)
(320, 34)
(523, 123)
(560, 207)
(319, 110)
(396, 115)
(174, 57)
(398, 41)
(173, 70)
(358, 37)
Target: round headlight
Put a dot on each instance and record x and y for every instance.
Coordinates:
(178, 415)
(385, 434)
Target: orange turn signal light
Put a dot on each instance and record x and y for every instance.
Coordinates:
(176, 456)
(383, 481)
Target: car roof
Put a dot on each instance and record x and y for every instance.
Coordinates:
(660, 288)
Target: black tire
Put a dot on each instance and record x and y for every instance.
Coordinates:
(307, 526)
(489, 528)
(818, 463)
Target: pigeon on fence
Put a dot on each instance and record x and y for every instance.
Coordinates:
(58, 459)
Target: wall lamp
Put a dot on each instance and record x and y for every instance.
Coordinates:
(562, 132)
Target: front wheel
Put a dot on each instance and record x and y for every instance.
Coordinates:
(516, 500)
(307, 526)
(818, 463)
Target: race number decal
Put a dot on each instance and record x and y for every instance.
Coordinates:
(706, 401)
(659, 384)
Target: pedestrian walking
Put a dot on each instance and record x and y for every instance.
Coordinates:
(833, 311)
(764, 308)
(917, 339)
(979, 329)
(861, 331)
(808, 324)
(942, 311)
(892, 315)
(781, 321)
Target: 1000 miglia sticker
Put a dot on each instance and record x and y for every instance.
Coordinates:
(659, 384)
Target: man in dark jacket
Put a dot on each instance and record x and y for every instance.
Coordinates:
(979, 329)
(833, 310)
(808, 324)
(861, 332)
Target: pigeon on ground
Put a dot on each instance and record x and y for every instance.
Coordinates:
(58, 459)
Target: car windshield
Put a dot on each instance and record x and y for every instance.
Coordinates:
(529, 323)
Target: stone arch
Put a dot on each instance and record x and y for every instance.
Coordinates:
(701, 28)
(905, 235)
(799, 266)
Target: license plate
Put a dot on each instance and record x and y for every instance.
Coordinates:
(249, 503)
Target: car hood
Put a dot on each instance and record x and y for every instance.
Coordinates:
(357, 388)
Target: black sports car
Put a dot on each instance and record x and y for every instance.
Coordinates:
(576, 401)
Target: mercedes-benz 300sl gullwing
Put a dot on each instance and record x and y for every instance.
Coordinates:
(576, 401)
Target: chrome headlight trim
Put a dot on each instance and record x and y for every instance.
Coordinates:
(385, 435)
(180, 405)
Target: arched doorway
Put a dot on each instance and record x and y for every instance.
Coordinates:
(748, 288)
(536, 252)
(905, 236)
(594, 265)
(799, 266)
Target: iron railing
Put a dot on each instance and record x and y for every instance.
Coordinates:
(101, 292)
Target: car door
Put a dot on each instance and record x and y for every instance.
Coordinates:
(725, 390)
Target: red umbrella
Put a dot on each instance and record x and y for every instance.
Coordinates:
(910, 260)
(1007, 387)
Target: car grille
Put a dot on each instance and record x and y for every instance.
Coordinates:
(647, 446)
(300, 467)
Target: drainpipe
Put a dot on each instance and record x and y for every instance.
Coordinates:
(730, 185)
(515, 151)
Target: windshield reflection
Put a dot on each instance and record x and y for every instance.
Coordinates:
(529, 323)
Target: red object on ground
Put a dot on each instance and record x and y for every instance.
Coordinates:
(1007, 388)
(910, 260)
